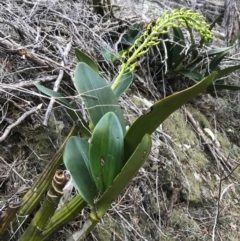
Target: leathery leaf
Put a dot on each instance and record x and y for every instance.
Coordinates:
(76, 160)
(97, 94)
(82, 57)
(106, 151)
(123, 179)
(159, 112)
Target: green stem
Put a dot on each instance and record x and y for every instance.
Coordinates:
(63, 216)
(38, 223)
(47, 209)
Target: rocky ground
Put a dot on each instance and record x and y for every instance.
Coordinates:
(189, 187)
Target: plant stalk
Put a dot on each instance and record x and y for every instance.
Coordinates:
(41, 218)
(32, 198)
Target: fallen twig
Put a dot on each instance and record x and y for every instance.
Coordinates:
(18, 121)
(58, 81)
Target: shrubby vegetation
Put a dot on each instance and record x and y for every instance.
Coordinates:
(106, 157)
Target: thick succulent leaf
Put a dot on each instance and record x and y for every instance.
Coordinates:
(97, 94)
(82, 57)
(227, 71)
(149, 122)
(106, 151)
(124, 84)
(125, 176)
(76, 160)
(191, 74)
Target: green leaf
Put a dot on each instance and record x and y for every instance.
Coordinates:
(180, 43)
(106, 151)
(76, 160)
(223, 87)
(216, 51)
(227, 71)
(111, 57)
(97, 94)
(149, 122)
(125, 176)
(124, 84)
(60, 99)
(82, 57)
(132, 34)
(70, 110)
(191, 74)
(216, 61)
(135, 30)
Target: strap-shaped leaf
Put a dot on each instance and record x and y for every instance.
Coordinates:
(70, 110)
(178, 39)
(82, 57)
(106, 151)
(76, 160)
(60, 99)
(191, 74)
(227, 71)
(223, 87)
(216, 51)
(216, 61)
(125, 176)
(97, 94)
(124, 84)
(149, 122)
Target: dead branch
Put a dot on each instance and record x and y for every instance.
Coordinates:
(58, 81)
(18, 121)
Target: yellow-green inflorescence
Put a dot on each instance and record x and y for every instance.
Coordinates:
(176, 18)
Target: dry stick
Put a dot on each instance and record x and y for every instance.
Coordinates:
(30, 83)
(18, 121)
(57, 83)
(220, 196)
(10, 45)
